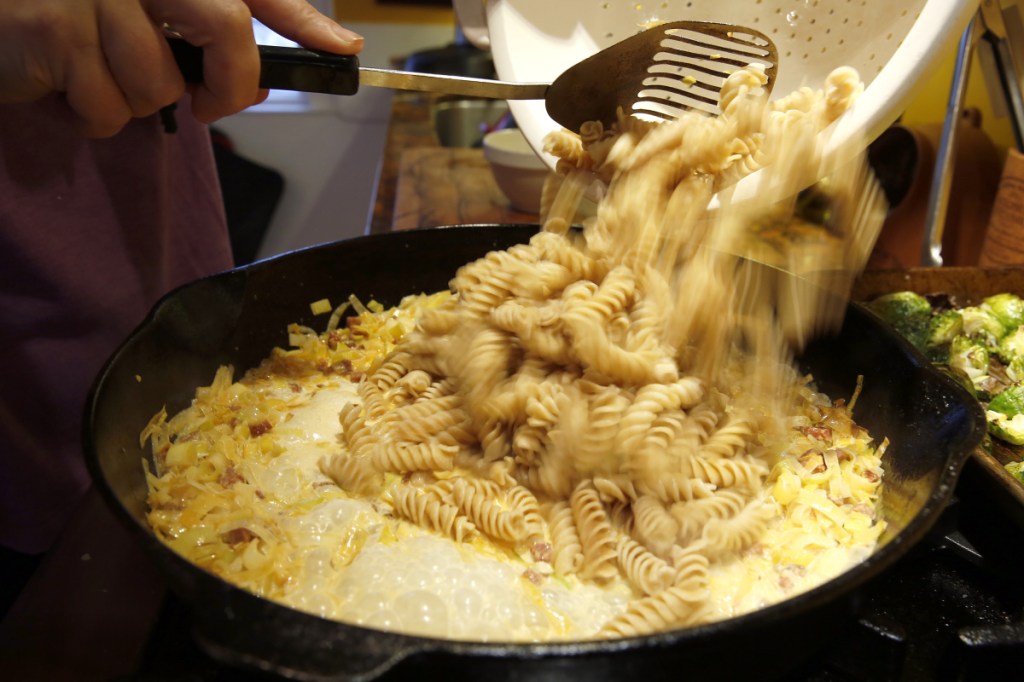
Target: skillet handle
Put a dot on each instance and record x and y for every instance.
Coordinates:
(283, 68)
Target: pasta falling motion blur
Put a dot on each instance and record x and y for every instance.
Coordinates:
(602, 431)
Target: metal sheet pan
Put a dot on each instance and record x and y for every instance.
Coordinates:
(966, 286)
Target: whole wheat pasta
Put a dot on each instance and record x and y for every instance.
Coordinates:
(596, 535)
(565, 539)
(593, 396)
(406, 457)
(424, 508)
(692, 515)
(672, 607)
(478, 500)
(525, 502)
(648, 572)
(353, 472)
(653, 525)
(357, 436)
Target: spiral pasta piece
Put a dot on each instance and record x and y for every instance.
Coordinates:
(356, 435)
(565, 539)
(428, 511)
(693, 515)
(422, 420)
(406, 457)
(353, 473)
(615, 488)
(526, 504)
(477, 501)
(653, 525)
(726, 536)
(648, 572)
(745, 472)
(674, 607)
(597, 442)
(596, 535)
(728, 440)
(559, 249)
(391, 370)
(677, 488)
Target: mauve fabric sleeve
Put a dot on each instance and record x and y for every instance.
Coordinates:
(92, 233)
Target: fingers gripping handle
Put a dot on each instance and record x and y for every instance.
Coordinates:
(283, 68)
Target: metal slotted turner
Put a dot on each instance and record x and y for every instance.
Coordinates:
(657, 73)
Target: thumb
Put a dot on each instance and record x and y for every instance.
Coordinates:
(301, 22)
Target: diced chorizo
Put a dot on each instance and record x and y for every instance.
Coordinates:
(257, 429)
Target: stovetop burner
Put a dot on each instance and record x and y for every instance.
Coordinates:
(952, 609)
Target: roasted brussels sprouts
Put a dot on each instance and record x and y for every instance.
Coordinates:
(942, 329)
(969, 356)
(1011, 346)
(1007, 308)
(980, 346)
(980, 323)
(1016, 469)
(908, 313)
(1015, 370)
(1009, 402)
(1006, 415)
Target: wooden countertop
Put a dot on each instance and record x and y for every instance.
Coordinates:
(449, 186)
(423, 184)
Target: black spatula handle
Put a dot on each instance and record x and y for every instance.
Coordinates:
(283, 68)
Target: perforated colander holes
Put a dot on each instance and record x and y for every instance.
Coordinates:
(649, 14)
(804, 30)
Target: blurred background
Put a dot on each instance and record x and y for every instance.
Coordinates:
(339, 167)
(327, 149)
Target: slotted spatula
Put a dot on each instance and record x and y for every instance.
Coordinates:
(657, 73)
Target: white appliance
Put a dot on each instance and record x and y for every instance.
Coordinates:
(327, 148)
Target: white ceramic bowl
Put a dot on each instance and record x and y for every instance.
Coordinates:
(518, 170)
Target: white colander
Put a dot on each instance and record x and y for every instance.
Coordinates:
(893, 44)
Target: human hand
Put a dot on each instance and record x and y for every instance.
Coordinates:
(111, 61)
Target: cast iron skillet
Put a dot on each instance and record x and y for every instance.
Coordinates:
(238, 316)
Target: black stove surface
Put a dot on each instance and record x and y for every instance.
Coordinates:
(952, 609)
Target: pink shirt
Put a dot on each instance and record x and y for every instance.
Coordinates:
(92, 233)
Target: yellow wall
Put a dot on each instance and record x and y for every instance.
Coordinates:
(929, 105)
(372, 11)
